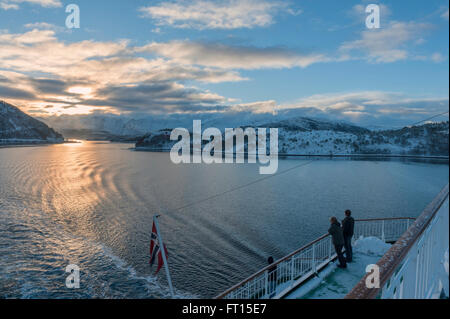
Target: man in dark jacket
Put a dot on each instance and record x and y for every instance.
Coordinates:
(272, 274)
(338, 240)
(348, 225)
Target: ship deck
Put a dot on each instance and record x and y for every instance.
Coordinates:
(333, 282)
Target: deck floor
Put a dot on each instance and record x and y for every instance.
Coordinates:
(336, 283)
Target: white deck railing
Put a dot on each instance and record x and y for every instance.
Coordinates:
(413, 268)
(300, 265)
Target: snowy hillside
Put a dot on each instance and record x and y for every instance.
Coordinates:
(297, 134)
(428, 139)
(17, 127)
(305, 136)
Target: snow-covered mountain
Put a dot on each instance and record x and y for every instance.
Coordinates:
(111, 127)
(298, 132)
(304, 136)
(16, 127)
(428, 139)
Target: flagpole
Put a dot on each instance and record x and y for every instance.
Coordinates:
(163, 251)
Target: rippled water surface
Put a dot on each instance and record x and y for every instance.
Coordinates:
(91, 204)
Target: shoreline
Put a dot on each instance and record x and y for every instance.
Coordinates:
(31, 144)
(442, 157)
(162, 150)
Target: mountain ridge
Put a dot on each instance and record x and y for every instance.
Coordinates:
(297, 134)
(16, 127)
(303, 136)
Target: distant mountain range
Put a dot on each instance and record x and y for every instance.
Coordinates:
(304, 136)
(16, 127)
(297, 134)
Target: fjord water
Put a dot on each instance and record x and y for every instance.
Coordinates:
(91, 204)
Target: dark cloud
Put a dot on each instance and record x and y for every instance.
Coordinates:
(48, 86)
(40, 111)
(54, 86)
(156, 97)
(4, 80)
(13, 93)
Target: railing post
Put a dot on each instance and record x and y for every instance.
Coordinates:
(330, 248)
(383, 237)
(314, 257)
(292, 269)
(266, 283)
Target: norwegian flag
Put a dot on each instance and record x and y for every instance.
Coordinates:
(155, 251)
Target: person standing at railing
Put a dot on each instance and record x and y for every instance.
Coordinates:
(272, 278)
(348, 226)
(338, 240)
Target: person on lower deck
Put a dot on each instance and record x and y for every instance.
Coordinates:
(348, 225)
(338, 240)
(272, 277)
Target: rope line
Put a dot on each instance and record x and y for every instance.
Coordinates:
(243, 186)
(430, 118)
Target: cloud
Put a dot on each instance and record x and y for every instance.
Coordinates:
(371, 107)
(118, 77)
(104, 62)
(45, 86)
(437, 57)
(29, 38)
(14, 4)
(158, 97)
(45, 26)
(444, 15)
(207, 14)
(37, 69)
(358, 16)
(8, 6)
(365, 108)
(232, 57)
(257, 107)
(87, 75)
(388, 44)
(15, 93)
(358, 11)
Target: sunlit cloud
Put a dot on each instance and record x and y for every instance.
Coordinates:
(388, 44)
(80, 90)
(46, 26)
(207, 14)
(15, 4)
(370, 106)
(107, 75)
(233, 57)
(270, 106)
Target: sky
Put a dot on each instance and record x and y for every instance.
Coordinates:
(315, 58)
